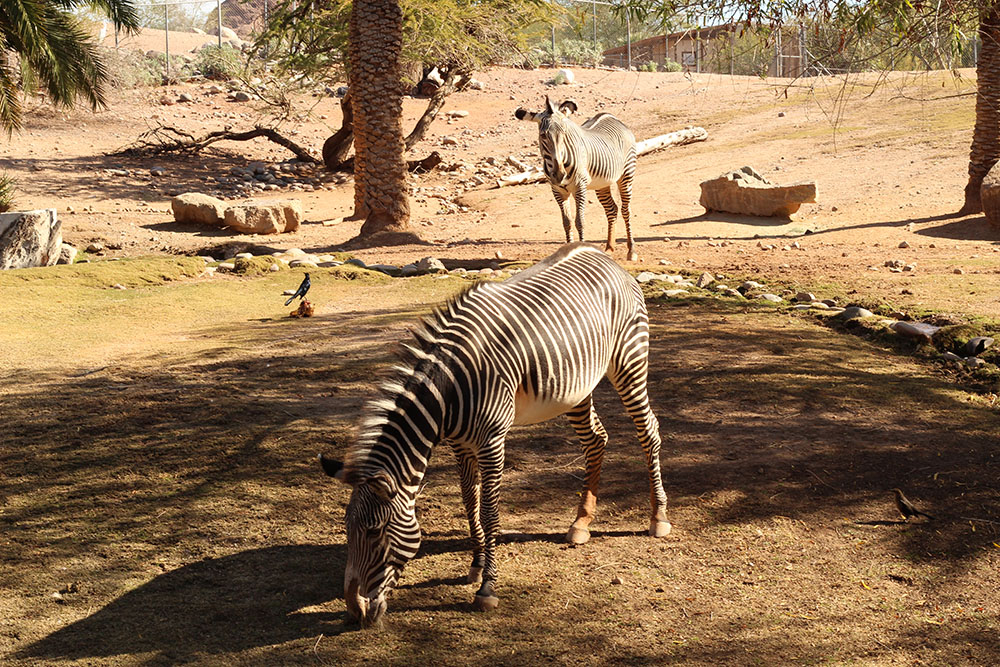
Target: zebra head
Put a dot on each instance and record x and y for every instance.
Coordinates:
(382, 535)
(553, 127)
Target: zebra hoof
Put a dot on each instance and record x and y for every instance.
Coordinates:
(577, 535)
(659, 528)
(475, 575)
(485, 602)
(633, 256)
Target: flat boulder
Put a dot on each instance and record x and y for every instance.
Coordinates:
(198, 208)
(265, 216)
(29, 238)
(746, 192)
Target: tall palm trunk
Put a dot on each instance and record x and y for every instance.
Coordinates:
(376, 38)
(986, 135)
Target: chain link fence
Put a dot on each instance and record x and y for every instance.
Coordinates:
(182, 39)
(590, 33)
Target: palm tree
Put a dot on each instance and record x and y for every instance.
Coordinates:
(43, 43)
(986, 133)
(380, 196)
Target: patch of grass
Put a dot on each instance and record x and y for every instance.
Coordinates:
(133, 272)
(255, 266)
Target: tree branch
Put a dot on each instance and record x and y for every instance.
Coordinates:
(167, 139)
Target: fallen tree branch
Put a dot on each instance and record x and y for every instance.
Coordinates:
(679, 138)
(167, 139)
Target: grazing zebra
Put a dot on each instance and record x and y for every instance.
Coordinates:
(590, 156)
(518, 352)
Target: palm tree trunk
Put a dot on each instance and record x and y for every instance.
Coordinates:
(986, 135)
(376, 37)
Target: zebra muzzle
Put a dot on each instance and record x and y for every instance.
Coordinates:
(357, 606)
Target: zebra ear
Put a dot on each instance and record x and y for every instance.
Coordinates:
(549, 107)
(383, 485)
(568, 107)
(332, 468)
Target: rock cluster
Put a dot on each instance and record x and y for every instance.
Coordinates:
(262, 216)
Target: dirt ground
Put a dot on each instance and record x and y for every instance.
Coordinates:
(159, 498)
(890, 164)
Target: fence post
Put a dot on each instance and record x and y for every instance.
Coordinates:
(628, 40)
(803, 53)
(595, 23)
(166, 38)
(555, 62)
(218, 10)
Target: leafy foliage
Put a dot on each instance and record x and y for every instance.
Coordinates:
(221, 63)
(7, 187)
(55, 52)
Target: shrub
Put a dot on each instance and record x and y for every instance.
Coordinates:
(672, 66)
(651, 66)
(7, 186)
(132, 69)
(221, 63)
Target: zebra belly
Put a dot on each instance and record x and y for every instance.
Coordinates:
(530, 409)
(599, 182)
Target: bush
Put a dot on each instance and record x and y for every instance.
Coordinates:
(221, 63)
(132, 69)
(7, 186)
(672, 66)
(651, 66)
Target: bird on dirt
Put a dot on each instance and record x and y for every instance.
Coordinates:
(906, 508)
(301, 291)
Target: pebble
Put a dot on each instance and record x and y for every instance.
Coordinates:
(705, 279)
(915, 330)
(354, 261)
(674, 293)
(974, 343)
(974, 362)
(95, 247)
(117, 286)
(226, 266)
(773, 298)
(904, 244)
(158, 171)
(959, 272)
(645, 277)
(244, 255)
(805, 296)
(951, 356)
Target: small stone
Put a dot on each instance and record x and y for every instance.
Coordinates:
(354, 261)
(244, 255)
(910, 267)
(974, 362)
(305, 263)
(705, 279)
(972, 348)
(226, 266)
(95, 247)
(117, 286)
(855, 312)
(273, 268)
(58, 598)
(240, 96)
(185, 97)
(951, 356)
(431, 265)
(773, 298)
(449, 141)
(157, 171)
(819, 305)
(749, 285)
(645, 277)
(904, 244)
(664, 262)
(674, 293)
(457, 114)
(498, 255)
(918, 330)
(959, 272)
(616, 580)
(805, 296)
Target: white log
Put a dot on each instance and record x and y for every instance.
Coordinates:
(679, 138)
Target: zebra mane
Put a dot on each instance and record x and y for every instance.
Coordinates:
(415, 358)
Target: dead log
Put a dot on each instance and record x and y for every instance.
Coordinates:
(166, 139)
(688, 135)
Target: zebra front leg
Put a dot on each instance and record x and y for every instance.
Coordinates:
(611, 210)
(631, 387)
(562, 196)
(468, 468)
(625, 190)
(581, 206)
(593, 437)
(491, 458)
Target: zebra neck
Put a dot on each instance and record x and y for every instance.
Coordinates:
(400, 437)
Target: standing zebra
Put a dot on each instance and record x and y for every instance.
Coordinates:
(590, 156)
(518, 352)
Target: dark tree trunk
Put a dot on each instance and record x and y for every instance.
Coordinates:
(338, 146)
(986, 135)
(380, 196)
(434, 106)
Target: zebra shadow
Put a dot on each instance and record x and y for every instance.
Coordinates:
(249, 599)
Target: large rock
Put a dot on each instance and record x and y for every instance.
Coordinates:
(29, 238)
(990, 193)
(198, 208)
(746, 192)
(265, 216)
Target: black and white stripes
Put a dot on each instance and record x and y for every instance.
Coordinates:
(591, 156)
(499, 354)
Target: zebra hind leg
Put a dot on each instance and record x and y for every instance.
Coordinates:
(468, 468)
(630, 383)
(611, 210)
(625, 190)
(581, 207)
(593, 437)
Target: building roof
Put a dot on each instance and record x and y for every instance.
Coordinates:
(710, 32)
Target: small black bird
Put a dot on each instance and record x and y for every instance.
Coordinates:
(301, 291)
(906, 508)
